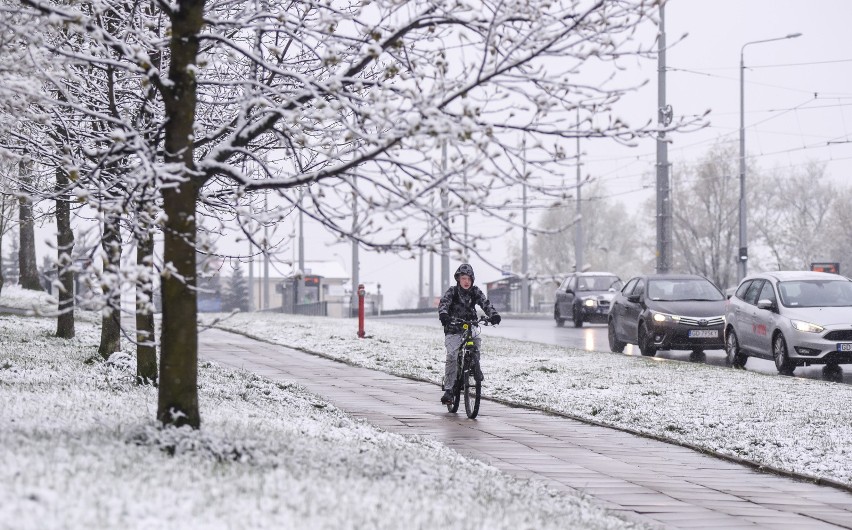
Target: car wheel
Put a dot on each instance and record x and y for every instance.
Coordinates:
(615, 345)
(646, 342)
(735, 357)
(557, 317)
(832, 372)
(698, 356)
(577, 317)
(779, 353)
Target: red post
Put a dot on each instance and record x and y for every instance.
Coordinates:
(361, 293)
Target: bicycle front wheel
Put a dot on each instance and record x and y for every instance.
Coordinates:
(472, 390)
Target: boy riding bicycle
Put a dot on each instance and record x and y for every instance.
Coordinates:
(459, 302)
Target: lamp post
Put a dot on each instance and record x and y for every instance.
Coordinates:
(742, 266)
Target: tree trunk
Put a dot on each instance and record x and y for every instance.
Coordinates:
(27, 253)
(111, 319)
(146, 347)
(64, 262)
(178, 396)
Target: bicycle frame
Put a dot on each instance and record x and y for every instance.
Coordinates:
(464, 373)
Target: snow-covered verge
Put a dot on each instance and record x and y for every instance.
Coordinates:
(79, 448)
(797, 425)
(34, 302)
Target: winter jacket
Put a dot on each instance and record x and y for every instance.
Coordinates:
(460, 303)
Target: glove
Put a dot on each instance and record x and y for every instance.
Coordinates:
(445, 319)
(495, 319)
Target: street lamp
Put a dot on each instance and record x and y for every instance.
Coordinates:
(743, 253)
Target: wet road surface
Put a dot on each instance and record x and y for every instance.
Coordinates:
(593, 337)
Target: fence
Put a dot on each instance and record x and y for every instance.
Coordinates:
(315, 309)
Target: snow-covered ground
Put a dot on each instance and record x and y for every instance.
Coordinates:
(793, 424)
(79, 448)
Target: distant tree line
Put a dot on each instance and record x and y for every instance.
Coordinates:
(796, 216)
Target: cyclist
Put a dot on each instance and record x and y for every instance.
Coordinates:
(459, 302)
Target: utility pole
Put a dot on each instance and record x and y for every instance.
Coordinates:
(445, 221)
(431, 277)
(251, 274)
(420, 281)
(266, 254)
(465, 253)
(742, 263)
(353, 310)
(664, 119)
(525, 294)
(300, 283)
(579, 242)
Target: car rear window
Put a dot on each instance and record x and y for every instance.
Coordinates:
(816, 293)
(598, 283)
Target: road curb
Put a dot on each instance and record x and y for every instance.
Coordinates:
(709, 452)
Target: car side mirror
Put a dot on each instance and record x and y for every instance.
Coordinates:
(634, 298)
(766, 304)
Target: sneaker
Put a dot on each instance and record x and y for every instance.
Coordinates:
(447, 398)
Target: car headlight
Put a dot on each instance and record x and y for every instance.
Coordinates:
(807, 326)
(664, 317)
(590, 302)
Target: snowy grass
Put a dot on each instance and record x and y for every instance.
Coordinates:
(33, 302)
(80, 449)
(793, 424)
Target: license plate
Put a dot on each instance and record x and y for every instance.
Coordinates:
(845, 346)
(703, 333)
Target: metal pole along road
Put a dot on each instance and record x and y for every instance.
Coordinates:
(742, 263)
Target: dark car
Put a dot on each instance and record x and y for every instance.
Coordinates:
(668, 312)
(796, 318)
(585, 297)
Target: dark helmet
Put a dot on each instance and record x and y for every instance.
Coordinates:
(464, 268)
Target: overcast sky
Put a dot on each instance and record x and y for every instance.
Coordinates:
(798, 107)
(798, 98)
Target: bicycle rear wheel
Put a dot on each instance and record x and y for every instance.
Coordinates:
(472, 389)
(453, 405)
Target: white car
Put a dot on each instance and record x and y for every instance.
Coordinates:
(796, 318)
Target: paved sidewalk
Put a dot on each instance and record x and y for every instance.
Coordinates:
(644, 480)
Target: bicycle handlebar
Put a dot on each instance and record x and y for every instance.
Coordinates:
(481, 320)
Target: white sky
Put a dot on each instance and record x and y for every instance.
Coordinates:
(798, 98)
(786, 125)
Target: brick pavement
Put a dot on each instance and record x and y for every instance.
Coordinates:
(642, 479)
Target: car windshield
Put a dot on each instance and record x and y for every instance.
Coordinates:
(598, 283)
(683, 289)
(816, 293)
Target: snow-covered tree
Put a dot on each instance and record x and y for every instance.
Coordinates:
(236, 295)
(705, 227)
(346, 105)
(792, 216)
(611, 235)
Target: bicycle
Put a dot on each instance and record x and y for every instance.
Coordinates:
(465, 379)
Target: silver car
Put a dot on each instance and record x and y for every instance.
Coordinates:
(796, 318)
(585, 297)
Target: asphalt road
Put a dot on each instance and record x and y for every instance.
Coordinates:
(593, 337)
